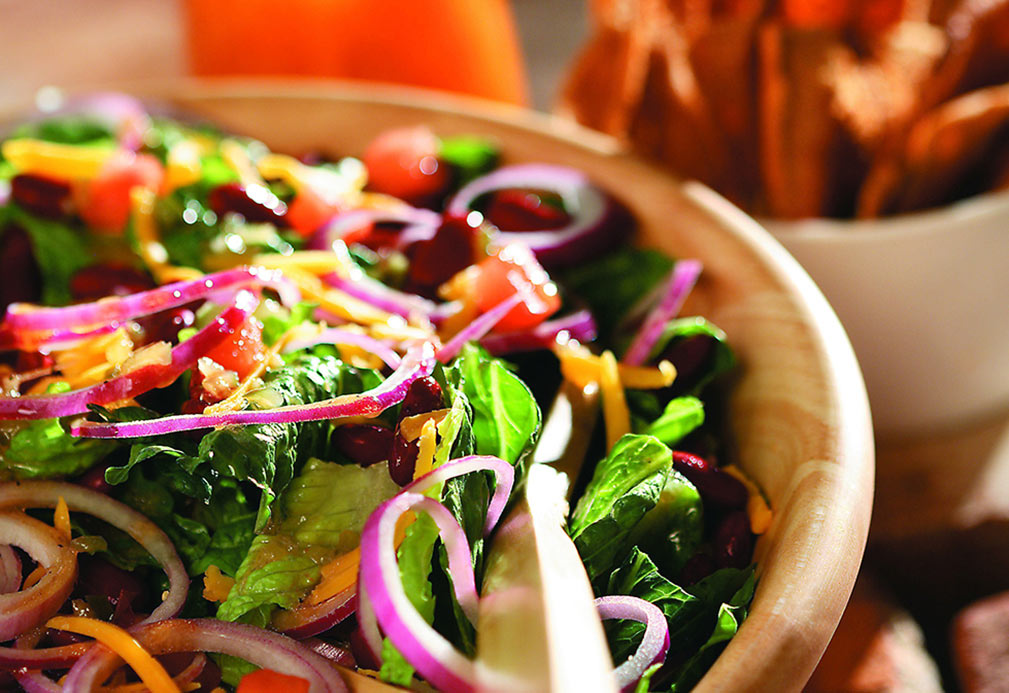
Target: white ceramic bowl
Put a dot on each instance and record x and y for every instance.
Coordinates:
(923, 298)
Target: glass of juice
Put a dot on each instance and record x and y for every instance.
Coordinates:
(464, 46)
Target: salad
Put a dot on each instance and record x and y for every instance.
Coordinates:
(267, 421)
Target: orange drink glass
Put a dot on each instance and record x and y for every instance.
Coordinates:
(464, 46)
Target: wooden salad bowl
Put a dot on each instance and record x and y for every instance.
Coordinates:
(799, 410)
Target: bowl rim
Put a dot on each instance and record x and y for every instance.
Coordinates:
(855, 478)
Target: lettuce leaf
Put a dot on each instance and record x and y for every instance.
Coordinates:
(681, 416)
(624, 487)
(58, 250)
(44, 450)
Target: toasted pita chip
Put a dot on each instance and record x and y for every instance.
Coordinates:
(808, 163)
(947, 150)
(979, 51)
(723, 60)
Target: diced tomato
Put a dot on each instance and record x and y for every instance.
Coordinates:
(524, 210)
(308, 212)
(104, 203)
(514, 269)
(243, 351)
(269, 681)
(404, 163)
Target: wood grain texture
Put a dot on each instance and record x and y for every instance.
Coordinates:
(800, 411)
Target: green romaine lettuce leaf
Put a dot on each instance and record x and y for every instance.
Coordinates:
(624, 487)
(681, 416)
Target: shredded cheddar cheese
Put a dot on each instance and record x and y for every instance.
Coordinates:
(412, 426)
(426, 448)
(61, 519)
(333, 301)
(581, 367)
(123, 644)
(91, 360)
(61, 161)
(216, 585)
(615, 411)
(759, 511)
(316, 262)
(183, 166)
(237, 158)
(33, 577)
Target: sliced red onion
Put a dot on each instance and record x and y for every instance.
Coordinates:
(375, 293)
(24, 656)
(434, 657)
(306, 620)
(335, 335)
(25, 609)
(10, 570)
(117, 310)
(580, 326)
(371, 635)
(420, 224)
(504, 474)
(478, 328)
(596, 223)
(255, 645)
(36, 682)
(46, 494)
(654, 643)
(138, 381)
(334, 653)
(681, 280)
(418, 362)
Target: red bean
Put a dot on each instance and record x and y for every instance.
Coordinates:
(403, 460)
(435, 261)
(22, 280)
(423, 396)
(94, 479)
(716, 487)
(40, 195)
(698, 567)
(98, 281)
(733, 541)
(524, 210)
(255, 202)
(165, 326)
(364, 444)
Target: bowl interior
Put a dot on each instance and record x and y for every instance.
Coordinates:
(799, 410)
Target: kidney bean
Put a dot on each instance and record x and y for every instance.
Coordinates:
(40, 195)
(22, 279)
(423, 396)
(403, 460)
(733, 541)
(435, 261)
(716, 487)
(698, 567)
(165, 326)
(256, 203)
(364, 444)
(98, 281)
(94, 479)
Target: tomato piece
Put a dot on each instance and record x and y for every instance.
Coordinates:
(308, 211)
(404, 163)
(242, 351)
(270, 681)
(514, 269)
(104, 203)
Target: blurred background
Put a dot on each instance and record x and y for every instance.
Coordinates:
(87, 42)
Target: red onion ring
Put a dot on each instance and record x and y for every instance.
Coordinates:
(28, 608)
(377, 294)
(306, 620)
(10, 570)
(592, 230)
(138, 381)
(334, 653)
(654, 643)
(478, 328)
(428, 651)
(335, 335)
(420, 225)
(116, 310)
(255, 645)
(417, 362)
(580, 326)
(504, 474)
(371, 634)
(46, 494)
(681, 280)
